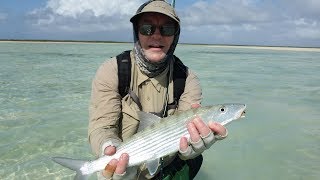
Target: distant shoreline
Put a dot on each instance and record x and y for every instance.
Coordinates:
(284, 48)
(56, 41)
(277, 48)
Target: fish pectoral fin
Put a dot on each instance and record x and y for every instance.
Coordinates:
(152, 166)
(146, 119)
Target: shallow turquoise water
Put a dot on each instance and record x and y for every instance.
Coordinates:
(45, 89)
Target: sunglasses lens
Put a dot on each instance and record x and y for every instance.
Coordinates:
(165, 30)
(147, 29)
(168, 30)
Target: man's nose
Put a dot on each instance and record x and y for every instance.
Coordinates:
(157, 33)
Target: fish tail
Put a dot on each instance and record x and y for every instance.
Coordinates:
(73, 164)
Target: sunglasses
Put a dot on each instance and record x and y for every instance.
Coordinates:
(165, 30)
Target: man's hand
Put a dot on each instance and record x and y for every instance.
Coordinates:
(202, 137)
(115, 168)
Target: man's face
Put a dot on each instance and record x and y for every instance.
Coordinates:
(155, 46)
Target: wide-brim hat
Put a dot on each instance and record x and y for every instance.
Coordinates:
(156, 6)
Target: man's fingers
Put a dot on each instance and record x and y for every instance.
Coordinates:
(194, 134)
(110, 169)
(202, 128)
(122, 164)
(116, 167)
(185, 151)
(218, 129)
(183, 144)
(195, 106)
(110, 150)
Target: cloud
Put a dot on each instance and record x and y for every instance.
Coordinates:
(282, 22)
(252, 21)
(76, 8)
(301, 8)
(222, 12)
(305, 28)
(84, 15)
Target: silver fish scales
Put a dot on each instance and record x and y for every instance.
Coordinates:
(157, 140)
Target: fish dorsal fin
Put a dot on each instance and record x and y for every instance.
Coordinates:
(146, 119)
(152, 166)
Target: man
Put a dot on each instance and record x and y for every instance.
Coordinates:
(113, 118)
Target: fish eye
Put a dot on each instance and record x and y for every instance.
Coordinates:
(222, 109)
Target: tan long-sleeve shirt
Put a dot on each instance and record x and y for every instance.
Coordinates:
(113, 119)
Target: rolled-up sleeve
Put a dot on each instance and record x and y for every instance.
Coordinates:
(105, 107)
(192, 92)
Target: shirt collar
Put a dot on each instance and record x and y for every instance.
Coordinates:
(156, 81)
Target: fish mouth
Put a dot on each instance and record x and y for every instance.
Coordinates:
(243, 114)
(242, 111)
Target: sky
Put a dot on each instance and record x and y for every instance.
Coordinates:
(233, 22)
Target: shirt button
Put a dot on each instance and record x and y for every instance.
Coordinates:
(148, 98)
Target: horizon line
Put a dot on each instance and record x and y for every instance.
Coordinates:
(184, 43)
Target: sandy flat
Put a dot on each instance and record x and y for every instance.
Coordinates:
(270, 48)
(277, 48)
(58, 42)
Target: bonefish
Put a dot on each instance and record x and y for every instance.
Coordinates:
(157, 140)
